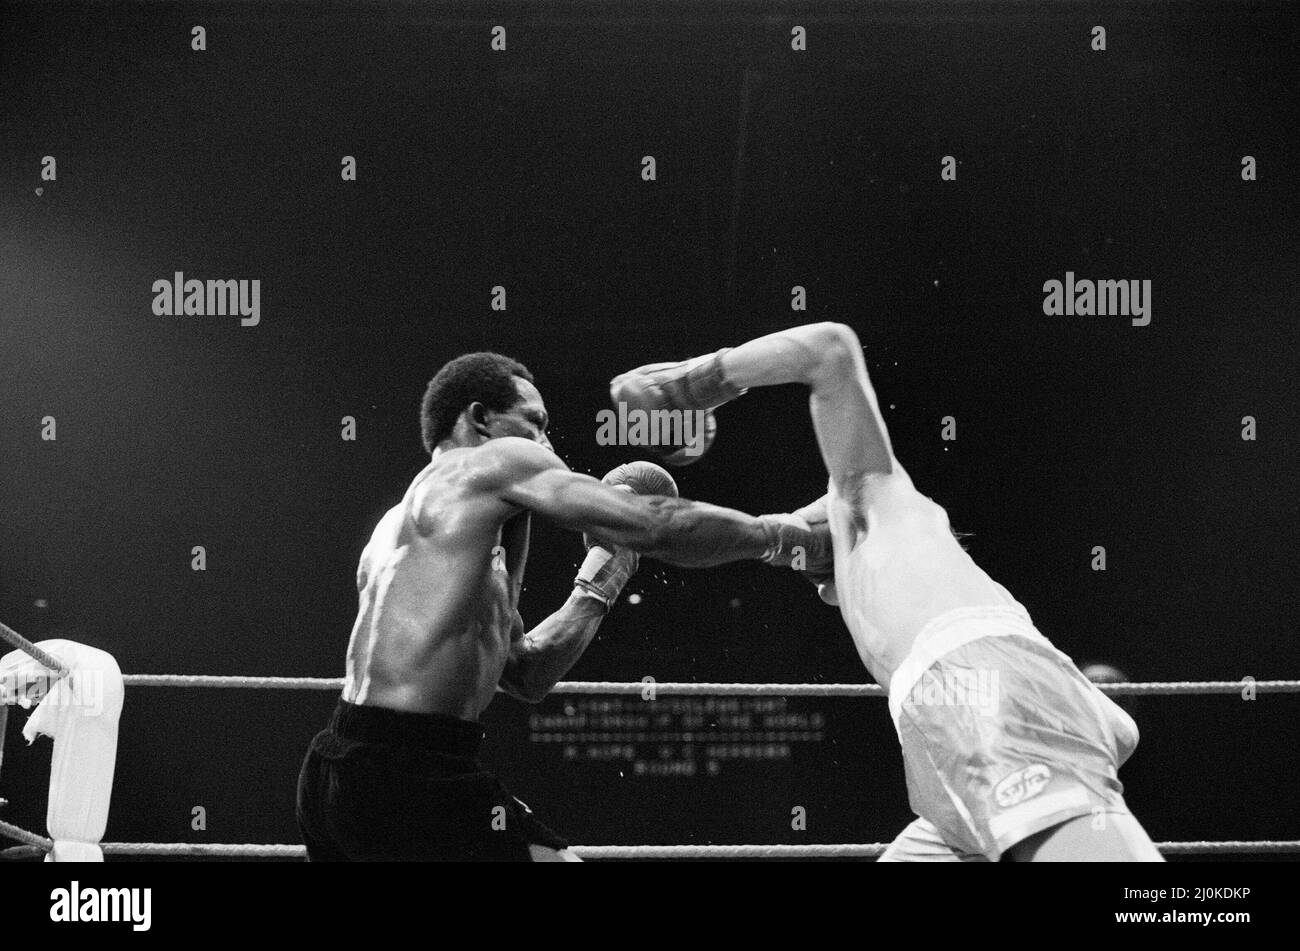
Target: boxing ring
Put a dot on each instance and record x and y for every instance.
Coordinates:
(81, 841)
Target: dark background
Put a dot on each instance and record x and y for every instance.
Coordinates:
(775, 168)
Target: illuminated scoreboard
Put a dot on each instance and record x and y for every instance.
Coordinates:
(675, 736)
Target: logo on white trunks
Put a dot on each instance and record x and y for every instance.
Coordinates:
(1021, 785)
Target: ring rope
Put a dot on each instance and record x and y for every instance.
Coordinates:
(676, 851)
(34, 844)
(1162, 688)
(37, 845)
(21, 852)
(254, 683)
(43, 658)
(19, 834)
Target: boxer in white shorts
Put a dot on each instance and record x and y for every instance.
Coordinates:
(1009, 751)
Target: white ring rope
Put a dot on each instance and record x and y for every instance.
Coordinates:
(48, 661)
(680, 689)
(36, 845)
(247, 683)
(19, 834)
(649, 685)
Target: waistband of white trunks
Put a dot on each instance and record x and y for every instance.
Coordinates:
(945, 634)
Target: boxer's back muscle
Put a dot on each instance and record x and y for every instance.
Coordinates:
(436, 611)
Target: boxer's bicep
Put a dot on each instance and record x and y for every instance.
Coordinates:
(363, 570)
(532, 477)
(582, 503)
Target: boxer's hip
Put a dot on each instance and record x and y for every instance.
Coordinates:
(390, 785)
(1002, 736)
(432, 734)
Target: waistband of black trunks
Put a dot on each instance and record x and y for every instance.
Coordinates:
(434, 732)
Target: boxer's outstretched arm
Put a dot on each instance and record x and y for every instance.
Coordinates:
(539, 659)
(827, 358)
(676, 531)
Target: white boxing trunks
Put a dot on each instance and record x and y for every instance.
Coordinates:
(1002, 736)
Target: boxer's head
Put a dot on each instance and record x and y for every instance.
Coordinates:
(1102, 673)
(480, 396)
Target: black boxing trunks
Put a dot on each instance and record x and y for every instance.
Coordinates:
(381, 785)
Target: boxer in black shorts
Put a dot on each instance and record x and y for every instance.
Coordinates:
(386, 785)
(438, 633)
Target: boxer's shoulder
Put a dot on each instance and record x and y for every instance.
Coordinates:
(511, 458)
(500, 464)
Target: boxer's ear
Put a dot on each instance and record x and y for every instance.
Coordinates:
(477, 416)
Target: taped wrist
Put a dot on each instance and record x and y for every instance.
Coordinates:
(706, 384)
(603, 572)
(784, 534)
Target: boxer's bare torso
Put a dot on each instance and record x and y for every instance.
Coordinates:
(438, 630)
(439, 588)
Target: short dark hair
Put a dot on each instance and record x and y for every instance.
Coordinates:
(487, 378)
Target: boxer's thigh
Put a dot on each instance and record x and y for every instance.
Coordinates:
(1105, 837)
(920, 841)
(542, 853)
